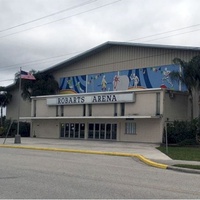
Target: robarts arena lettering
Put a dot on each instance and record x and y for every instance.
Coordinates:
(93, 99)
(104, 98)
(71, 100)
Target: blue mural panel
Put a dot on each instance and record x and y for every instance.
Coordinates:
(75, 84)
(150, 77)
(100, 82)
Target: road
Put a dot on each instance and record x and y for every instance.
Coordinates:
(34, 174)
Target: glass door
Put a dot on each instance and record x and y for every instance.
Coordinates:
(108, 131)
(76, 131)
(71, 135)
(67, 130)
(91, 131)
(102, 131)
(97, 131)
(82, 130)
(114, 132)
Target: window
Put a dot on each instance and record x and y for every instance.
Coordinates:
(122, 109)
(115, 109)
(62, 110)
(157, 103)
(89, 109)
(84, 111)
(34, 108)
(57, 111)
(130, 128)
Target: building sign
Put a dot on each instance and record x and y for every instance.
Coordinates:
(91, 99)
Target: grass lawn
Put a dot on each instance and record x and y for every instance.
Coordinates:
(182, 153)
(188, 166)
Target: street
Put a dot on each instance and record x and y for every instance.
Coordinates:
(34, 174)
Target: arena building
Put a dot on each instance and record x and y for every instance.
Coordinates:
(115, 91)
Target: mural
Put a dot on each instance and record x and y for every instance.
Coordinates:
(72, 85)
(151, 77)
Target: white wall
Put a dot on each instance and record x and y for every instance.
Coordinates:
(45, 129)
(147, 130)
(176, 107)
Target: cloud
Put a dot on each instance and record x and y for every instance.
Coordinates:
(125, 20)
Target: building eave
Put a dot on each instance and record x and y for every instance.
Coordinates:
(129, 117)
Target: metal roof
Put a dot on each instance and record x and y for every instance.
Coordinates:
(109, 44)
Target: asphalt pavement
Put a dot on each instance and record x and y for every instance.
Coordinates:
(145, 152)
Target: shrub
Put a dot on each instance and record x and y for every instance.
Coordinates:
(180, 131)
(24, 129)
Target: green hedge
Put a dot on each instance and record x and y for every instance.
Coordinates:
(24, 129)
(182, 132)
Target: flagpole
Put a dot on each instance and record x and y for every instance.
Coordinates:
(17, 136)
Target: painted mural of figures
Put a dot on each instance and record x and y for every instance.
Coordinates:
(135, 80)
(103, 83)
(78, 85)
(120, 83)
(115, 82)
(166, 77)
(69, 82)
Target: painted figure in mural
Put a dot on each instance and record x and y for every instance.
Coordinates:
(103, 83)
(70, 83)
(135, 80)
(120, 83)
(115, 82)
(166, 77)
(78, 85)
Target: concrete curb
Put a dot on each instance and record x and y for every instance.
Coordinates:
(140, 157)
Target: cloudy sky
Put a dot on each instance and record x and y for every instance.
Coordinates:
(36, 34)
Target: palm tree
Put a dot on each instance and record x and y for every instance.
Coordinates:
(45, 84)
(5, 99)
(190, 77)
(187, 76)
(195, 62)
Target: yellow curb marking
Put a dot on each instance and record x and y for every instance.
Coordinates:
(140, 157)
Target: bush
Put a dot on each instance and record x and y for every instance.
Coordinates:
(1, 131)
(182, 131)
(24, 129)
(188, 142)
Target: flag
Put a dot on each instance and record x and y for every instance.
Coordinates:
(27, 75)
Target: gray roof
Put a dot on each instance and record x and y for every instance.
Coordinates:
(109, 44)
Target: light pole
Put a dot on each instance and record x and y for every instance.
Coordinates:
(18, 136)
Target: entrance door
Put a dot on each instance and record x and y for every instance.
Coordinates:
(102, 131)
(72, 130)
(71, 133)
(97, 131)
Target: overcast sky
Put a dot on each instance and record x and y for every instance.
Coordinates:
(36, 34)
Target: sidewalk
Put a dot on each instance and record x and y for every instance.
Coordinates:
(143, 151)
(147, 150)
